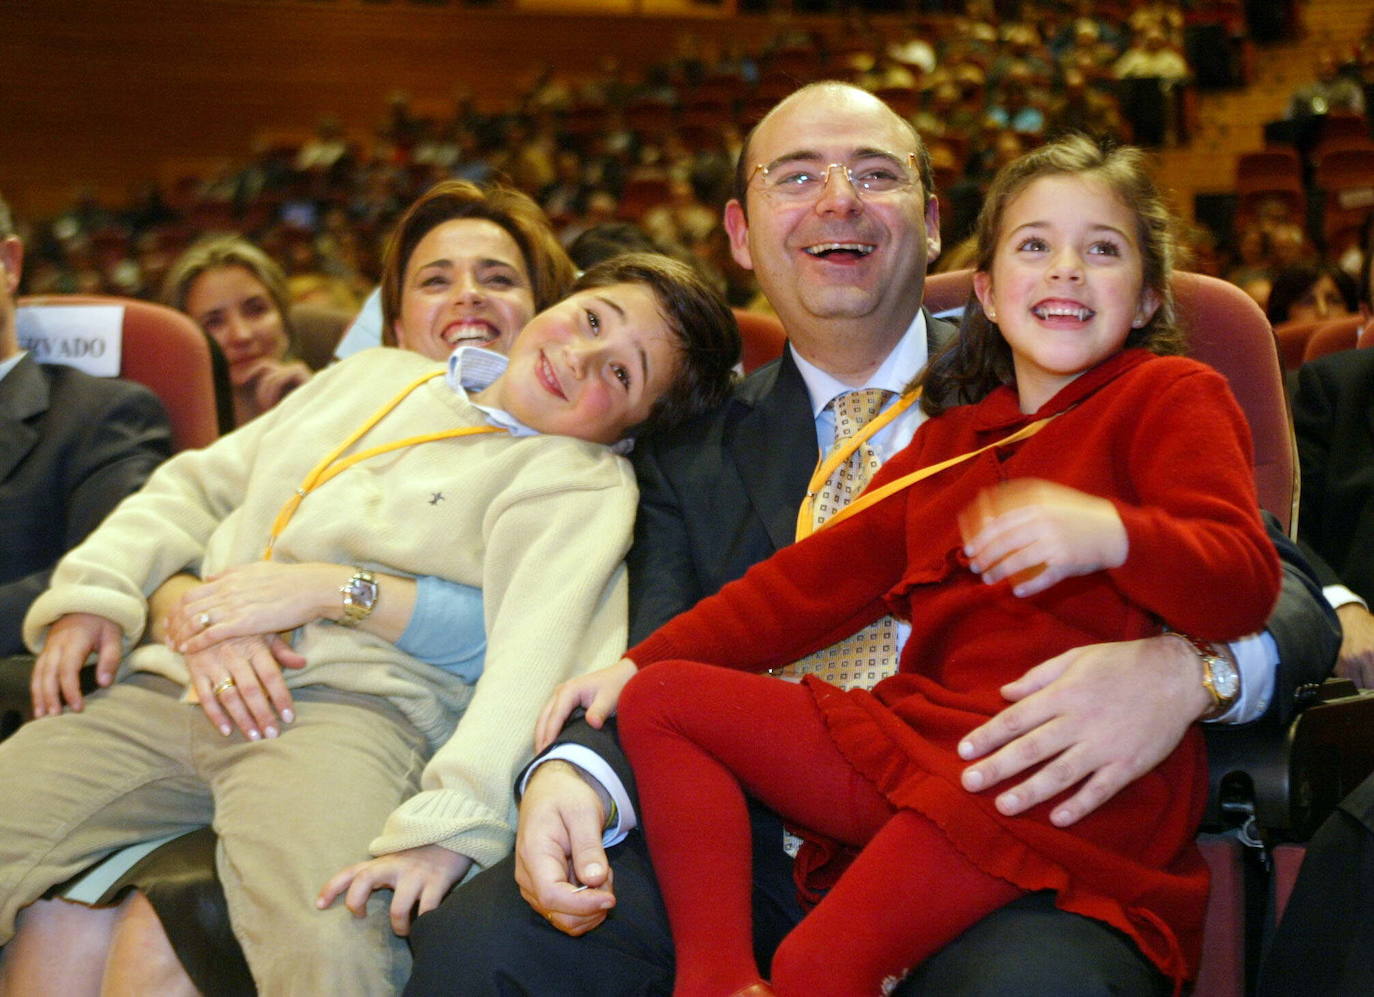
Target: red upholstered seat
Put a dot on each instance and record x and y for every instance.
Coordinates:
(165, 351)
(1332, 336)
(762, 338)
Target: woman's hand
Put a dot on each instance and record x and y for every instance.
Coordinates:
(598, 691)
(264, 597)
(70, 641)
(1038, 533)
(240, 679)
(264, 382)
(419, 878)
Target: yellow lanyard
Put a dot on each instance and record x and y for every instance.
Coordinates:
(826, 464)
(331, 466)
(907, 480)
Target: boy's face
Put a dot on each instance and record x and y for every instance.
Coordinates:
(590, 366)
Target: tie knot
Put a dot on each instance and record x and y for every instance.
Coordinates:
(855, 409)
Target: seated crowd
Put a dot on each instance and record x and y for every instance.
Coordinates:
(339, 695)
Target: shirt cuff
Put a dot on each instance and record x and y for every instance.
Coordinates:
(596, 768)
(1339, 595)
(1257, 659)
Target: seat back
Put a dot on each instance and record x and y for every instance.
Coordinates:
(1292, 338)
(761, 337)
(166, 352)
(1227, 330)
(1333, 336)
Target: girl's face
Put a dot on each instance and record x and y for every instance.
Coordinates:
(237, 311)
(591, 366)
(1321, 301)
(465, 284)
(1066, 284)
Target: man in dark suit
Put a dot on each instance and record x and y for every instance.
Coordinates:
(1333, 416)
(844, 268)
(71, 447)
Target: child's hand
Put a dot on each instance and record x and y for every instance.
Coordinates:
(598, 691)
(1038, 533)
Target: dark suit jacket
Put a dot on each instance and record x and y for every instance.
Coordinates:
(722, 493)
(71, 447)
(1333, 415)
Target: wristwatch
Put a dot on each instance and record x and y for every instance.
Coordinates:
(359, 596)
(1220, 676)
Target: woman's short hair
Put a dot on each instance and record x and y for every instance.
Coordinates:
(979, 359)
(550, 270)
(707, 335)
(215, 252)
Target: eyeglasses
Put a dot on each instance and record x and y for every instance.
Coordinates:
(873, 176)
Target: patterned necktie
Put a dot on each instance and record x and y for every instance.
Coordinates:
(864, 658)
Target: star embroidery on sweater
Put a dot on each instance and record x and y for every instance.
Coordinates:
(436, 498)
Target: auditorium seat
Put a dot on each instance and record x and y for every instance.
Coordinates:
(165, 351)
(1333, 336)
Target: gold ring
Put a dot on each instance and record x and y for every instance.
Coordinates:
(204, 620)
(223, 685)
(549, 914)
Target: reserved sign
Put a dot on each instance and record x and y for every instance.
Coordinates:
(87, 337)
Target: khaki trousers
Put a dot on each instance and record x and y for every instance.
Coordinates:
(290, 812)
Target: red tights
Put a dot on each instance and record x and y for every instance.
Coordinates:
(700, 737)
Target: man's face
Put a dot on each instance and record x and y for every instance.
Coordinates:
(11, 265)
(843, 254)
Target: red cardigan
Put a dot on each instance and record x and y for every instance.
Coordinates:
(1164, 440)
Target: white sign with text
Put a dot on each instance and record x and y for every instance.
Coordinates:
(87, 337)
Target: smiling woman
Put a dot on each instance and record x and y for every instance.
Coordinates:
(237, 295)
(468, 266)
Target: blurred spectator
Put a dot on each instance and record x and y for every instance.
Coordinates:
(1330, 91)
(237, 295)
(1080, 108)
(1308, 293)
(1150, 55)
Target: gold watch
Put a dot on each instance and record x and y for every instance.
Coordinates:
(1220, 676)
(359, 596)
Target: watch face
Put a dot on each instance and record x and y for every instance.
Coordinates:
(1225, 679)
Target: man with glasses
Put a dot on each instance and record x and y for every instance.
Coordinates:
(834, 212)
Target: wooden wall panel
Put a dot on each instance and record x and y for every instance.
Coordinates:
(104, 93)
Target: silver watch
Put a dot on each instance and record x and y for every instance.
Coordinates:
(359, 596)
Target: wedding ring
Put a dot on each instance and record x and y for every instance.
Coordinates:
(204, 620)
(223, 685)
(549, 914)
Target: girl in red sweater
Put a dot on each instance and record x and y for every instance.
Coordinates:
(1131, 506)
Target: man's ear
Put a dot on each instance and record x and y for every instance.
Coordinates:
(11, 263)
(932, 230)
(738, 228)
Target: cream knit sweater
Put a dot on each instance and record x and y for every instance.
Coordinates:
(541, 524)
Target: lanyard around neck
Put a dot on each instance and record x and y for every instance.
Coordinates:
(332, 466)
(826, 464)
(907, 480)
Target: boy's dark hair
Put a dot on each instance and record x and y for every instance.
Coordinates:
(705, 328)
(979, 359)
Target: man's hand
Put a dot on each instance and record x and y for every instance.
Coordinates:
(561, 816)
(1356, 660)
(1107, 713)
(57, 671)
(419, 879)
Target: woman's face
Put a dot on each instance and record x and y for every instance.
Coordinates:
(1320, 301)
(237, 311)
(465, 284)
